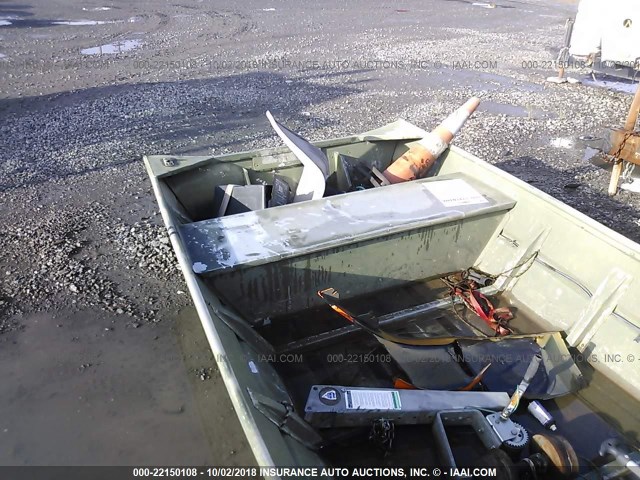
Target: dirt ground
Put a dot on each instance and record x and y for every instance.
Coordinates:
(102, 357)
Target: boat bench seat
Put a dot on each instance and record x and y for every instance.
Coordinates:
(273, 234)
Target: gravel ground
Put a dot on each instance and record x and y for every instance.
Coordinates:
(81, 233)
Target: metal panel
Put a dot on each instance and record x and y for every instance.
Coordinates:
(255, 238)
(289, 285)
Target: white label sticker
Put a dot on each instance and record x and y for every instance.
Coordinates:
(456, 192)
(373, 399)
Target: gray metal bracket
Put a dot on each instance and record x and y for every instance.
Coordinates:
(507, 430)
(283, 415)
(453, 418)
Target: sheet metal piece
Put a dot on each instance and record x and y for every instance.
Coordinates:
(339, 406)
(316, 165)
(395, 318)
(281, 193)
(331, 296)
(430, 368)
(234, 199)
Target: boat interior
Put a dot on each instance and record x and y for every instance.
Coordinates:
(407, 261)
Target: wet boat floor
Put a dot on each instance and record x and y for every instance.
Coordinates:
(358, 359)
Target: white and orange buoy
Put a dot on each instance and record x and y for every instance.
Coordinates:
(419, 159)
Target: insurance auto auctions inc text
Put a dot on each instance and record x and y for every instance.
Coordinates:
(378, 472)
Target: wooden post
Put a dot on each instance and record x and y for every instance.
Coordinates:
(629, 126)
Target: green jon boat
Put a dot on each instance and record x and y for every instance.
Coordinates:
(464, 318)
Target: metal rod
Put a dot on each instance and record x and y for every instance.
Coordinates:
(331, 336)
(583, 288)
(532, 369)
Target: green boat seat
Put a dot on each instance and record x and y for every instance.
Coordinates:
(270, 235)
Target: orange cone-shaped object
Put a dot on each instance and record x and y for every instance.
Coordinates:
(419, 159)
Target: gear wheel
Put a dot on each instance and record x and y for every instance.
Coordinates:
(520, 440)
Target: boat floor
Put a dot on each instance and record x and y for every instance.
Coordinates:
(358, 359)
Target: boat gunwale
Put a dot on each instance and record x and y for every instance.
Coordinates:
(569, 213)
(242, 407)
(159, 170)
(156, 169)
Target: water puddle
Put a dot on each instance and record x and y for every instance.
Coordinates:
(36, 23)
(516, 111)
(482, 4)
(96, 9)
(611, 83)
(590, 154)
(562, 142)
(484, 80)
(2, 55)
(49, 405)
(80, 23)
(597, 159)
(8, 20)
(268, 9)
(113, 48)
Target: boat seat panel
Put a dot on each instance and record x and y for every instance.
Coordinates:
(273, 234)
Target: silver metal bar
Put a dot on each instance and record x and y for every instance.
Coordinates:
(565, 275)
(337, 406)
(583, 288)
(394, 318)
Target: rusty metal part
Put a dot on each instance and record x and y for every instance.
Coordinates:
(632, 118)
(630, 143)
